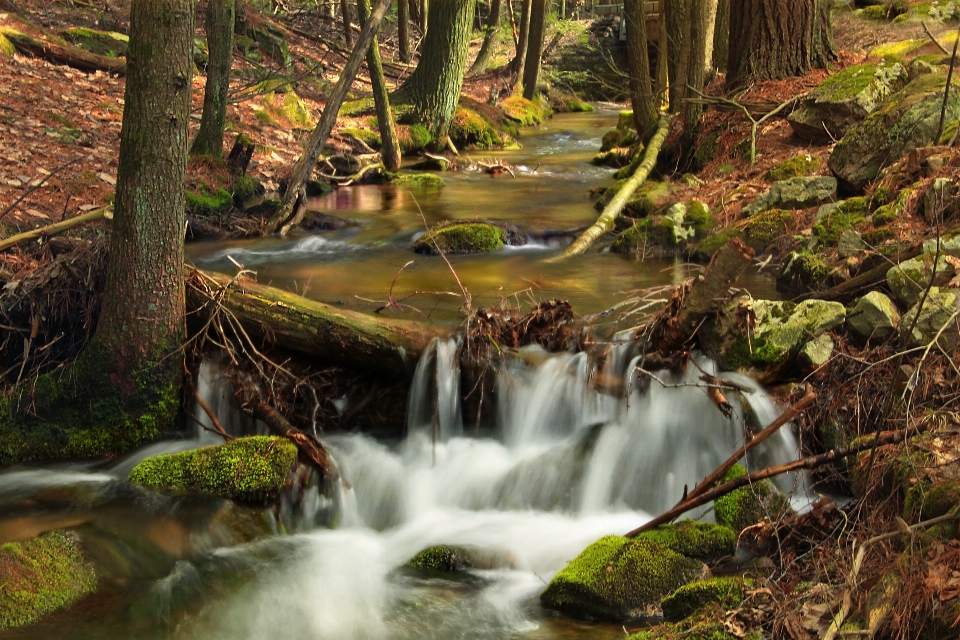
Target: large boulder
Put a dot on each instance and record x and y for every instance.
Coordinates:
(936, 317)
(874, 317)
(40, 576)
(908, 279)
(845, 99)
(465, 237)
(619, 579)
(795, 193)
(906, 120)
(253, 469)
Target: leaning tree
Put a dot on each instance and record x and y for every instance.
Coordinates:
(772, 39)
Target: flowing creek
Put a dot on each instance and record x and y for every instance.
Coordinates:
(567, 463)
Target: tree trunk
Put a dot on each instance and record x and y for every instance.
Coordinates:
(489, 39)
(721, 36)
(697, 14)
(219, 27)
(772, 39)
(523, 37)
(403, 30)
(638, 64)
(710, 26)
(538, 29)
(424, 17)
(434, 87)
(347, 29)
(676, 44)
(286, 216)
(390, 144)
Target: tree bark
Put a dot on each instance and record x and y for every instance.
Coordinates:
(286, 215)
(403, 30)
(523, 37)
(538, 28)
(771, 39)
(638, 65)
(390, 143)
(434, 87)
(347, 29)
(489, 39)
(676, 43)
(710, 26)
(424, 17)
(721, 36)
(697, 15)
(219, 28)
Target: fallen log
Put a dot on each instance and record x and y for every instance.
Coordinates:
(64, 54)
(56, 228)
(611, 212)
(388, 348)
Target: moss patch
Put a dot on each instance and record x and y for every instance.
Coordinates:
(245, 188)
(845, 216)
(252, 469)
(750, 504)
(369, 138)
(700, 218)
(764, 228)
(209, 203)
(800, 165)
(469, 237)
(710, 245)
(413, 138)
(40, 576)
(727, 593)
(700, 540)
(418, 180)
(618, 579)
(103, 43)
(6, 47)
(522, 111)
(470, 129)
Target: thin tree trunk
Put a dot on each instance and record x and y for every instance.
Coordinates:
(697, 14)
(607, 220)
(676, 44)
(489, 39)
(721, 36)
(347, 29)
(638, 65)
(286, 216)
(403, 30)
(710, 25)
(219, 27)
(390, 144)
(434, 87)
(523, 37)
(424, 17)
(539, 9)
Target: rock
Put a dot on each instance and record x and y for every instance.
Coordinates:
(40, 576)
(924, 501)
(418, 180)
(940, 200)
(891, 211)
(786, 326)
(850, 244)
(795, 193)
(798, 166)
(524, 112)
(937, 312)
(619, 579)
(284, 109)
(464, 237)
(748, 505)
(816, 353)
(845, 99)
(245, 189)
(208, 202)
(702, 541)
(949, 245)
(908, 279)
(103, 43)
(271, 41)
(803, 272)
(253, 469)
(431, 163)
(832, 221)
(725, 592)
(450, 559)
(470, 129)
(874, 316)
(903, 122)
(649, 198)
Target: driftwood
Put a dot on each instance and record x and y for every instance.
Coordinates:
(64, 54)
(386, 348)
(611, 212)
(57, 228)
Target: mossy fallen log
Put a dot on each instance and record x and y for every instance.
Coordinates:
(64, 54)
(389, 348)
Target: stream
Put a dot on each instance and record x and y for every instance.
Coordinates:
(568, 462)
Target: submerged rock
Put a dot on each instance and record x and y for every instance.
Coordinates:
(253, 469)
(725, 592)
(40, 576)
(750, 504)
(619, 579)
(874, 317)
(795, 193)
(466, 237)
(452, 558)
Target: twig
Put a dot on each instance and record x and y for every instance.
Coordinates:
(935, 41)
(57, 228)
(37, 186)
(213, 416)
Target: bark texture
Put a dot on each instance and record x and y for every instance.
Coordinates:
(434, 88)
(489, 39)
(721, 36)
(539, 9)
(638, 63)
(218, 23)
(523, 36)
(697, 18)
(772, 39)
(390, 144)
(347, 29)
(676, 41)
(403, 30)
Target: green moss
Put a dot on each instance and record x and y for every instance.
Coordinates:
(707, 149)
(650, 197)
(617, 578)
(847, 215)
(727, 593)
(701, 218)
(847, 83)
(202, 204)
(765, 227)
(369, 138)
(711, 244)
(749, 504)
(40, 576)
(245, 188)
(700, 540)
(885, 215)
(416, 180)
(442, 558)
(800, 165)
(413, 138)
(271, 41)
(755, 353)
(103, 43)
(572, 104)
(470, 129)
(252, 469)
(897, 50)
(6, 47)
(525, 112)
(876, 237)
(924, 501)
(353, 108)
(469, 237)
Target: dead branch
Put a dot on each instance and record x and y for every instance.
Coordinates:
(57, 228)
(307, 444)
(64, 54)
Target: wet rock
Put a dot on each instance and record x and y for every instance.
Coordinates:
(874, 317)
(619, 579)
(937, 316)
(470, 129)
(909, 278)
(795, 193)
(816, 353)
(906, 120)
(253, 469)
(431, 163)
(845, 99)
(462, 237)
(750, 504)
(726, 592)
(702, 541)
(419, 180)
(452, 558)
(40, 576)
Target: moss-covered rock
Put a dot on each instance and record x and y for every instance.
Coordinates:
(726, 593)
(271, 41)
(908, 279)
(453, 558)
(245, 188)
(366, 136)
(654, 235)
(413, 138)
(650, 197)
(764, 228)
(522, 111)
(874, 317)
(705, 249)
(469, 129)
(702, 541)
(566, 103)
(935, 318)
(252, 469)
(619, 579)
(800, 165)
(803, 272)
(40, 576)
(416, 180)
(209, 203)
(700, 219)
(6, 47)
(834, 219)
(904, 121)
(924, 501)
(749, 504)
(284, 109)
(794, 193)
(103, 43)
(464, 237)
